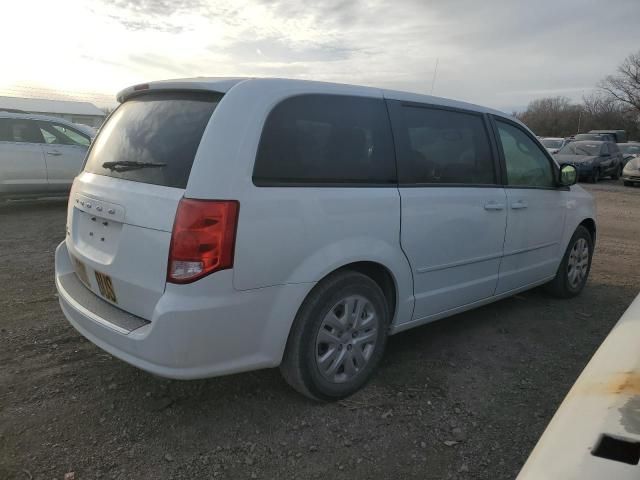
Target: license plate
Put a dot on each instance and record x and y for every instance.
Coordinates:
(106, 287)
(81, 271)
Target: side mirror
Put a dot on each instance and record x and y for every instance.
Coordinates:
(568, 175)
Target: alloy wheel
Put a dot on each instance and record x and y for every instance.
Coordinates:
(347, 339)
(578, 263)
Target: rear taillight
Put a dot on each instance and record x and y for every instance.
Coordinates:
(203, 239)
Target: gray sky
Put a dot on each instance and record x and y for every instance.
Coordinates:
(500, 53)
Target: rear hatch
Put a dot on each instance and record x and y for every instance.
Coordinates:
(122, 206)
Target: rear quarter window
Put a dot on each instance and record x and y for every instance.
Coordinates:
(326, 139)
(164, 129)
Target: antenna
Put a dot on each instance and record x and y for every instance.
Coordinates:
(433, 80)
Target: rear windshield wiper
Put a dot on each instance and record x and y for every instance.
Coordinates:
(124, 165)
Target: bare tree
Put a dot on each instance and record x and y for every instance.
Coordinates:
(624, 86)
(603, 111)
(553, 116)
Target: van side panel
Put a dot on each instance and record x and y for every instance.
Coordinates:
(294, 234)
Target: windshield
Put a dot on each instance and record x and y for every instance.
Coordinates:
(593, 136)
(581, 148)
(163, 129)
(551, 143)
(630, 149)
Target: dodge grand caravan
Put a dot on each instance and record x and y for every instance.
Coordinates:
(225, 225)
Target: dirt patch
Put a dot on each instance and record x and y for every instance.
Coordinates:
(465, 397)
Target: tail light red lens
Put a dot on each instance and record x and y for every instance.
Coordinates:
(203, 239)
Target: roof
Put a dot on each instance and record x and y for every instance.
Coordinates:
(42, 105)
(224, 84)
(47, 118)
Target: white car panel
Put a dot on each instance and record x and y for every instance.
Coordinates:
(64, 163)
(533, 244)
(22, 168)
(123, 229)
(453, 237)
(605, 400)
(199, 330)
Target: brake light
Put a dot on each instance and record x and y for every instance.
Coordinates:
(203, 239)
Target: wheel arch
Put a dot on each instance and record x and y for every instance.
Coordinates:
(590, 224)
(380, 274)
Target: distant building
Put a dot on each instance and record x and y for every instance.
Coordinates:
(77, 112)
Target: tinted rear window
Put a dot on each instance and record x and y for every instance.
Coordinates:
(326, 139)
(441, 146)
(159, 128)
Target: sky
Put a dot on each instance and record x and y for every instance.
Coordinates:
(498, 53)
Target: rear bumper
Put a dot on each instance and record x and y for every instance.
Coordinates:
(199, 330)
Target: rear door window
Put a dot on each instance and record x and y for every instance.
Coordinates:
(153, 138)
(438, 146)
(326, 139)
(19, 130)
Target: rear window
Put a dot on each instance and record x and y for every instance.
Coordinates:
(153, 138)
(441, 146)
(326, 139)
(581, 148)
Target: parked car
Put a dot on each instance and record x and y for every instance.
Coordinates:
(629, 150)
(225, 225)
(593, 159)
(619, 136)
(597, 137)
(39, 155)
(553, 144)
(631, 172)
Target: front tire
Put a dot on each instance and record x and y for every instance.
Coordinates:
(338, 337)
(617, 173)
(574, 269)
(627, 184)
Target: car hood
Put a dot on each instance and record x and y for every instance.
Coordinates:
(604, 401)
(633, 164)
(575, 158)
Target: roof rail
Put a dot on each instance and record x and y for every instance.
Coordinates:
(12, 110)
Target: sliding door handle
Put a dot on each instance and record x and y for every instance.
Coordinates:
(519, 204)
(494, 206)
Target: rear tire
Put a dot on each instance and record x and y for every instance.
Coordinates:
(595, 175)
(574, 269)
(338, 337)
(627, 184)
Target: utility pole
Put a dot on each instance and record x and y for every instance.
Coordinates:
(579, 119)
(433, 80)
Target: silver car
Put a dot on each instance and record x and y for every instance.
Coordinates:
(39, 155)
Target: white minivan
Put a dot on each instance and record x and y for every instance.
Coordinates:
(225, 225)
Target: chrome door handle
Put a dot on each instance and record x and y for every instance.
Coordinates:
(54, 154)
(519, 204)
(494, 206)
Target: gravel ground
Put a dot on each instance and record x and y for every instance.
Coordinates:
(462, 398)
